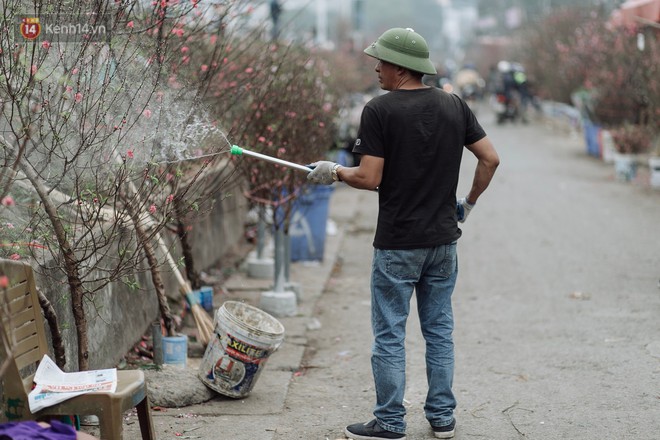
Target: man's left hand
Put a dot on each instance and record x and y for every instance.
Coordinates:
(322, 173)
(463, 209)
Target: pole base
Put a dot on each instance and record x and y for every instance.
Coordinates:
(279, 304)
(261, 268)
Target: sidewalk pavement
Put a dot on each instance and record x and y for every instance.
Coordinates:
(255, 417)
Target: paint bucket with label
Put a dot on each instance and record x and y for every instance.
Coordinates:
(245, 337)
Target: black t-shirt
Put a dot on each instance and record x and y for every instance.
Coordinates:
(421, 134)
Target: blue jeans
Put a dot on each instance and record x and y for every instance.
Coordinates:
(431, 273)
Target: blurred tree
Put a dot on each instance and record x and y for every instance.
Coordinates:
(536, 10)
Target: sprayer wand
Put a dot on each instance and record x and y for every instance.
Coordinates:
(238, 151)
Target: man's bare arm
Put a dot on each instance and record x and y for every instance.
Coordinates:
(488, 160)
(365, 176)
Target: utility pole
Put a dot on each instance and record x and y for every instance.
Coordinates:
(358, 23)
(275, 11)
(321, 22)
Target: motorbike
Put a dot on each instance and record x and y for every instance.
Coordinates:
(506, 107)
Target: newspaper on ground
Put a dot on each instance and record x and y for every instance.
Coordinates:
(53, 385)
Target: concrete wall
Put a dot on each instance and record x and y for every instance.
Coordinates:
(215, 234)
(119, 316)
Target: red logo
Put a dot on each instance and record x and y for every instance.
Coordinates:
(30, 28)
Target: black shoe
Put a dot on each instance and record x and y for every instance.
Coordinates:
(371, 431)
(446, 431)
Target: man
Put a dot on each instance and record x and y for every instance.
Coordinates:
(411, 141)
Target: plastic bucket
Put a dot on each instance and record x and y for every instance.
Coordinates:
(204, 297)
(625, 167)
(308, 223)
(245, 337)
(654, 166)
(175, 350)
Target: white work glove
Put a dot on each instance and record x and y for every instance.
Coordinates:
(463, 208)
(321, 173)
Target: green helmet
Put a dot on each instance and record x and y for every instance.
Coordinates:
(403, 47)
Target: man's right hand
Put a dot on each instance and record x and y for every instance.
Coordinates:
(321, 173)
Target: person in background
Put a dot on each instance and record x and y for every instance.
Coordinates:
(522, 87)
(411, 141)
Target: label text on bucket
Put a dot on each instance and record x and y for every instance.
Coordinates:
(244, 351)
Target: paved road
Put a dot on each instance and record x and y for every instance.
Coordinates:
(557, 308)
(557, 314)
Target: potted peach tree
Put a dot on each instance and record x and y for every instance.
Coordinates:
(630, 141)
